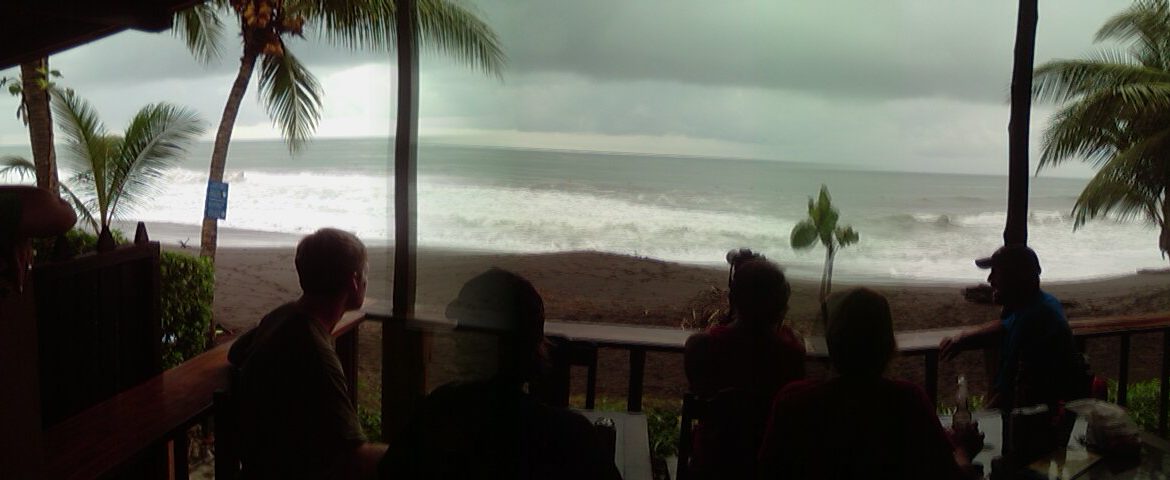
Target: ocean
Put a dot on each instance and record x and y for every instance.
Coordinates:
(914, 226)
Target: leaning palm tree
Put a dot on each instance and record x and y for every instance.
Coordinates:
(113, 173)
(1115, 115)
(287, 88)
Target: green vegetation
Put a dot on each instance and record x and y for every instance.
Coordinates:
(662, 418)
(188, 285)
(288, 89)
(822, 225)
(1142, 400)
(1115, 115)
(114, 172)
(371, 419)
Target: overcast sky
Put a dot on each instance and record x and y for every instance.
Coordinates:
(904, 85)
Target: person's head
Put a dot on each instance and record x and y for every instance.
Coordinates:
(1015, 273)
(507, 305)
(758, 291)
(860, 333)
(332, 263)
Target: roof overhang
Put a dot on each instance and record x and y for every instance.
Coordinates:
(37, 28)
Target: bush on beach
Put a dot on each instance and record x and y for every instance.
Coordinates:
(188, 285)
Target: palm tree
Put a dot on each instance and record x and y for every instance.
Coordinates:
(289, 91)
(1115, 115)
(35, 89)
(821, 224)
(114, 172)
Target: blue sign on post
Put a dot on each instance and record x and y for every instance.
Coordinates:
(216, 206)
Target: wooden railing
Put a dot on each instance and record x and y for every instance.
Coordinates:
(639, 340)
(104, 437)
(100, 439)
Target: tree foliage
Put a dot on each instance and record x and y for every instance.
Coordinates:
(290, 92)
(821, 225)
(1115, 115)
(114, 172)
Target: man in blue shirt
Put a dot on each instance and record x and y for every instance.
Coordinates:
(1039, 362)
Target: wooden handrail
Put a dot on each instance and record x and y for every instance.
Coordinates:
(640, 339)
(109, 434)
(112, 432)
(673, 339)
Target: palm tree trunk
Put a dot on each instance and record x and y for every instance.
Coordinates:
(1164, 237)
(33, 74)
(824, 293)
(829, 265)
(223, 138)
(1016, 229)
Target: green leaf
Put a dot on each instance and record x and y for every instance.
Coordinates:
(292, 97)
(201, 29)
(804, 235)
(846, 236)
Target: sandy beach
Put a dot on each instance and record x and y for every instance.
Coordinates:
(602, 287)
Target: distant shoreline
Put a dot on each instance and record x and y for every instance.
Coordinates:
(174, 233)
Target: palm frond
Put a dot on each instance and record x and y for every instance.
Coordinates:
(154, 140)
(1064, 80)
(19, 166)
(1114, 191)
(1146, 25)
(82, 208)
(201, 28)
(449, 27)
(292, 96)
(88, 147)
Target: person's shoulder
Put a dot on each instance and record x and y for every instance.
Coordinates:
(698, 342)
(789, 340)
(799, 389)
(285, 327)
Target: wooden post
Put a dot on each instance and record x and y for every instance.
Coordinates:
(20, 400)
(637, 375)
(1016, 229)
(931, 359)
(1164, 380)
(403, 375)
(1123, 372)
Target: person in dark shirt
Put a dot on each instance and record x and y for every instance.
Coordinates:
(857, 424)
(744, 364)
(296, 418)
(494, 429)
(1039, 362)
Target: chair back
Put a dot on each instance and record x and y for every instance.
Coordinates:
(736, 410)
(553, 388)
(693, 409)
(228, 443)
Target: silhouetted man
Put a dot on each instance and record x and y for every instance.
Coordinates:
(296, 417)
(493, 429)
(1039, 363)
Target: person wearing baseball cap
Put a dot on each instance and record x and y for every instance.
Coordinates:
(1039, 362)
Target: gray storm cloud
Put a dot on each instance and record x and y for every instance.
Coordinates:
(915, 84)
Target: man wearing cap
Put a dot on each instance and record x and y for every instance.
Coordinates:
(1039, 362)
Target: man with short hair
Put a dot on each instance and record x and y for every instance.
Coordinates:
(1039, 362)
(297, 420)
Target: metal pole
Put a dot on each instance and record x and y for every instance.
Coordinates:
(1016, 229)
